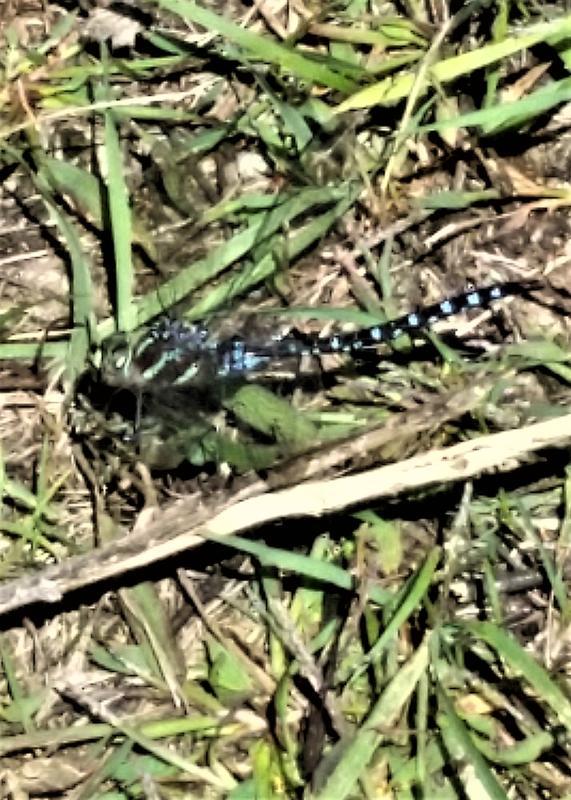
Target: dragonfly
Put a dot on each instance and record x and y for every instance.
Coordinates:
(174, 353)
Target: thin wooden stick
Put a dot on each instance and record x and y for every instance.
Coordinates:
(188, 522)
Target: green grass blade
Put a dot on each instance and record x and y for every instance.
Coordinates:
(307, 566)
(484, 784)
(392, 90)
(261, 48)
(417, 589)
(522, 663)
(120, 216)
(385, 713)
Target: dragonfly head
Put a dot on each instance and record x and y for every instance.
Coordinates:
(117, 363)
(169, 353)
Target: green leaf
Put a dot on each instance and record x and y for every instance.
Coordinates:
(457, 200)
(386, 537)
(273, 416)
(308, 566)
(83, 187)
(228, 676)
